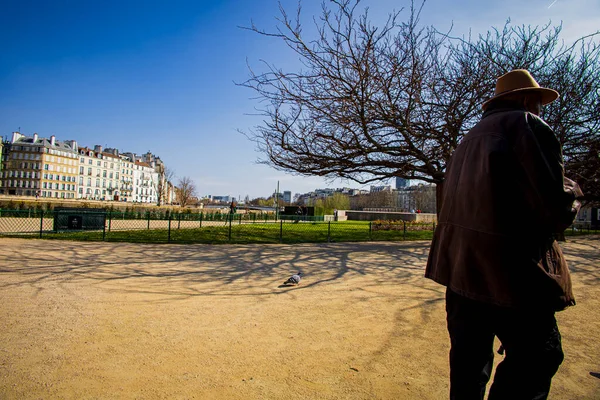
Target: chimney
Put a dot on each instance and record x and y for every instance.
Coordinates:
(52, 140)
(16, 136)
(35, 137)
(73, 144)
(98, 148)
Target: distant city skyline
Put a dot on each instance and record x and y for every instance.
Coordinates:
(159, 76)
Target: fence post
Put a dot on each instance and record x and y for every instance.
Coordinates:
(41, 223)
(404, 234)
(240, 219)
(328, 231)
(370, 230)
(230, 219)
(281, 231)
(178, 221)
(201, 215)
(148, 213)
(169, 234)
(104, 229)
(109, 219)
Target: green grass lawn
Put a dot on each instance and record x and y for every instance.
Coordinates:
(270, 232)
(287, 232)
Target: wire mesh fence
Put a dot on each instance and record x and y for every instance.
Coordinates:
(100, 225)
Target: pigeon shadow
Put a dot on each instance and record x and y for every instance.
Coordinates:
(595, 374)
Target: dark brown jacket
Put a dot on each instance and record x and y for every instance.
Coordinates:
(504, 200)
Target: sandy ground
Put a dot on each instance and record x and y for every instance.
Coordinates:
(130, 321)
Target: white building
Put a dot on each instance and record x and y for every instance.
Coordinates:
(99, 174)
(145, 183)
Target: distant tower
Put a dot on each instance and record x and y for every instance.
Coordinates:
(401, 183)
(287, 196)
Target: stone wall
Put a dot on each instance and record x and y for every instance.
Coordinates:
(352, 215)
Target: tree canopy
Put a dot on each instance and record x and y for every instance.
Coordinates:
(374, 102)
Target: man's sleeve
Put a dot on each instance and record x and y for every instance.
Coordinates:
(550, 194)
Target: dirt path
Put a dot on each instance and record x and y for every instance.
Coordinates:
(129, 321)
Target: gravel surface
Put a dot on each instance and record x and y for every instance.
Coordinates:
(135, 321)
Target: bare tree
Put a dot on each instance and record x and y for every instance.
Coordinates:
(165, 177)
(370, 103)
(383, 199)
(185, 191)
(424, 198)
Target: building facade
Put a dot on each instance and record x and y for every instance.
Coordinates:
(99, 174)
(36, 166)
(145, 181)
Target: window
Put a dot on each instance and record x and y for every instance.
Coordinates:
(82, 160)
(81, 180)
(46, 167)
(97, 182)
(89, 170)
(90, 161)
(99, 163)
(110, 175)
(89, 182)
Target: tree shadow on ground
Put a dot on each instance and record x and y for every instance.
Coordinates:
(582, 254)
(192, 270)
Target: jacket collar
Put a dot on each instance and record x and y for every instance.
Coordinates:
(502, 106)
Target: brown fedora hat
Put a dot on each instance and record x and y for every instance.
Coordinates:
(518, 81)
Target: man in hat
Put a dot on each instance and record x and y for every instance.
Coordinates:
(504, 202)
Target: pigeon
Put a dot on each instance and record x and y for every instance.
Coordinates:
(294, 279)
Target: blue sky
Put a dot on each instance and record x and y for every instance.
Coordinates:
(159, 75)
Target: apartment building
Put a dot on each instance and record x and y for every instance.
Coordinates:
(99, 174)
(127, 167)
(145, 181)
(36, 166)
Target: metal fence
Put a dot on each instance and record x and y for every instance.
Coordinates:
(150, 227)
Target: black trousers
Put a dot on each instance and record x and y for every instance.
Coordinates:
(530, 339)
